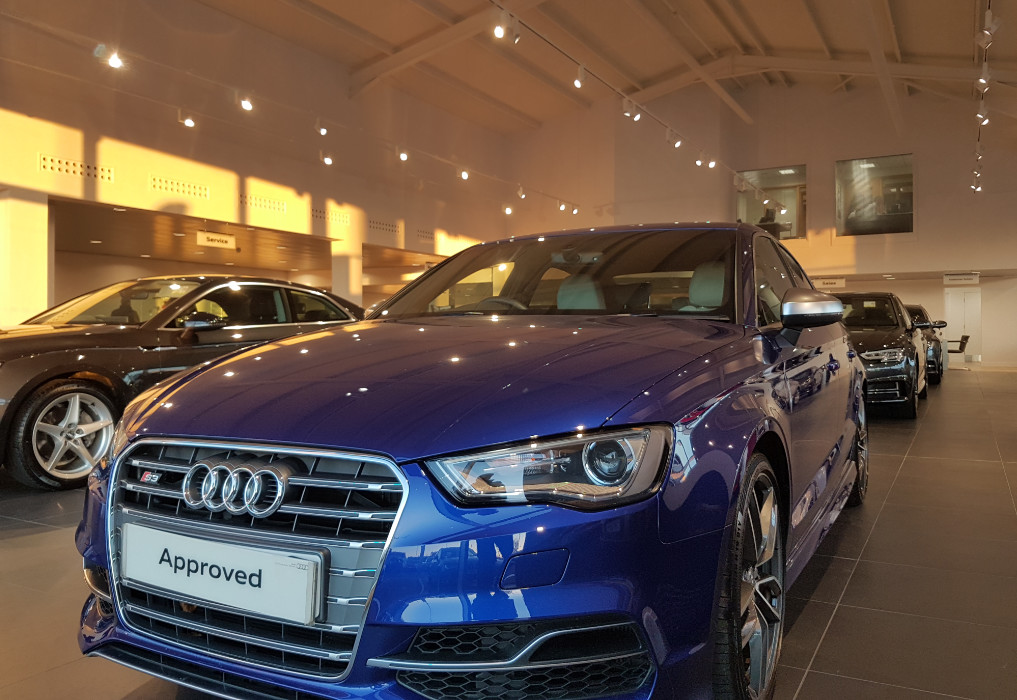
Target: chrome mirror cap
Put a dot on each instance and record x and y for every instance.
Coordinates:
(807, 308)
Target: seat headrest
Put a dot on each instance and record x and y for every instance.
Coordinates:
(707, 286)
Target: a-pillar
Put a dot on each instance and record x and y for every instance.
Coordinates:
(26, 255)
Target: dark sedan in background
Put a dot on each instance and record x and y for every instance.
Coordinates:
(935, 360)
(892, 348)
(66, 374)
(580, 465)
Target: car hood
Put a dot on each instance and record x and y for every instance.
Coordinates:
(867, 339)
(410, 389)
(31, 338)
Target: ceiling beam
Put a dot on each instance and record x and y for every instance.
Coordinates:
(735, 42)
(601, 55)
(435, 43)
(894, 41)
(507, 51)
(870, 28)
(381, 46)
(722, 68)
(811, 15)
(966, 99)
(690, 61)
(740, 23)
(898, 71)
(672, 13)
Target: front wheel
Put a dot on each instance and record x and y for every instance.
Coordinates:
(59, 433)
(750, 617)
(860, 456)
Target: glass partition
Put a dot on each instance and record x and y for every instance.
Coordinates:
(875, 195)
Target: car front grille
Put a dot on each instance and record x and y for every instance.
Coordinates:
(574, 682)
(340, 505)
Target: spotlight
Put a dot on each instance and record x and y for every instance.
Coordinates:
(580, 77)
(319, 128)
(246, 104)
(712, 163)
(522, 195)
(631, 109)
(561, 206)
(404, 156)
(514, 24)
(783, 209)
(501, 27)
(673, 138)
(326, 158)
(983, 79)
(114, 61)
(186, 120)
(508, 210)
(699, 159)
(766, 201)
(984, 36)
(575, 209)
(464, 174)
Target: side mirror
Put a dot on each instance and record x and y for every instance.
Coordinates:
(807, 308)
(922, 325)
(939, 324)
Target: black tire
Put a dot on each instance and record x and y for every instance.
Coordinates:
(750, 617)
(910, 409)
(860, 456)
(59, 433)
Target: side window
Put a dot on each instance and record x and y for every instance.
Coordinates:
(772, 280)
(237, 305)
(798, 275)
(311, 308)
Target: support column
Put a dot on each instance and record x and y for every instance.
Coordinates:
(26, 255)
(348, 259)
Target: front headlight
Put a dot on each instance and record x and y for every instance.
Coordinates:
(586, 471)
(888, 355)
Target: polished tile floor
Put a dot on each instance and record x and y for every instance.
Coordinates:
(912, 596)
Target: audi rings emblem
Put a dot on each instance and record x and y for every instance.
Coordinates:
(238, 487)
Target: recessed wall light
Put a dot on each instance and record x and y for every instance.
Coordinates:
(95, 242)
(145, 255)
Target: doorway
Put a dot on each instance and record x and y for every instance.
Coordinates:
(964, 317)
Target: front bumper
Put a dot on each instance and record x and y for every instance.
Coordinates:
(888, 382)
(452, 573)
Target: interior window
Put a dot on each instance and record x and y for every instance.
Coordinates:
(772, 281)
(311, 308)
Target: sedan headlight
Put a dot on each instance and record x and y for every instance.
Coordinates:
(589, 472)
(888, 355)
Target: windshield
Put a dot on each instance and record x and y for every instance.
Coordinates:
(871, 312)
(684, 272)
(123, 303)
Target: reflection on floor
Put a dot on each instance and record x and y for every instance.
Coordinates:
(912, 595)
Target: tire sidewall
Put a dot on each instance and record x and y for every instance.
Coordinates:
(21, 461)
(727, 624)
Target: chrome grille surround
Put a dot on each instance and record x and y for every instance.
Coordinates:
(345, 505)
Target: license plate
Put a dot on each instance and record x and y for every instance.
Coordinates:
(269, 583)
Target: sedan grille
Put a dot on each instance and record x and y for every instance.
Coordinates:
(339, 507)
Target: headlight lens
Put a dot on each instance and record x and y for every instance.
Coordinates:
(593, 471)
(888, 355)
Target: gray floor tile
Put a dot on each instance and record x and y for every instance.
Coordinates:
(824, 579)
(787, 681)
(951, 595)
(825, 686)
(806, 621)
(957, 521)
(957, 658)
(938, 550)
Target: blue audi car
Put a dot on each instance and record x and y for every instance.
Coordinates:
(577, 465)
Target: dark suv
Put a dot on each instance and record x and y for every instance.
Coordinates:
(892, 348)
(66, 374)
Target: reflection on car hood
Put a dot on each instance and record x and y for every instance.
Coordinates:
(416, 388)
(868, 339)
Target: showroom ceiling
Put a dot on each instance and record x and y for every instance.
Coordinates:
(444, 51)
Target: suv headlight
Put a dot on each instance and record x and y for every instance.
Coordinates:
(593, 471)
(888, 355)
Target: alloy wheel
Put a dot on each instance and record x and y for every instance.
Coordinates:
(71, 435)
(762, 585)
